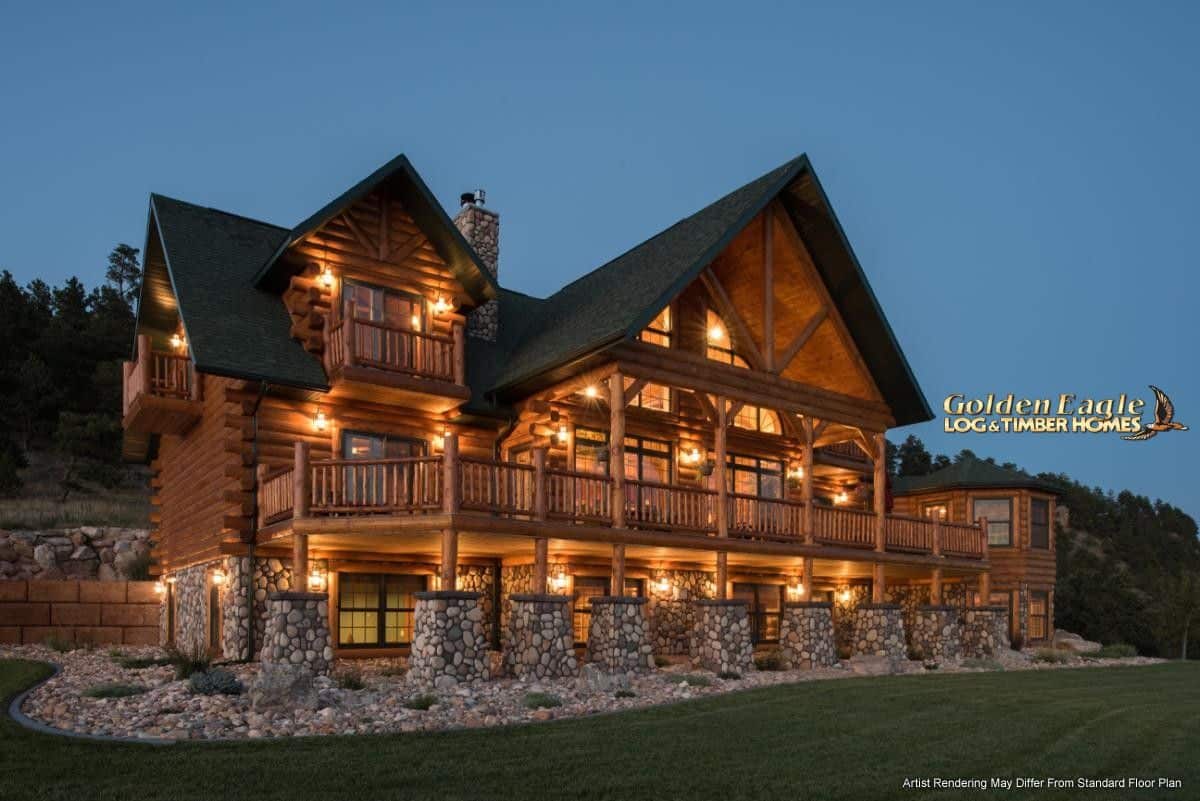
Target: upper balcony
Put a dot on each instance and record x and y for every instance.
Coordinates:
(422, 369)
(551, 499)
(161, 394)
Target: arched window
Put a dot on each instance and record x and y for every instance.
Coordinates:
(659, 330)
(756, 418)
(719, 344)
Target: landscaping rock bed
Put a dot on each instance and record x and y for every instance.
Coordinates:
(387, 701)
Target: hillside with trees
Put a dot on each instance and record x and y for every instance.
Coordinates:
(61, 349)
(1128, 567)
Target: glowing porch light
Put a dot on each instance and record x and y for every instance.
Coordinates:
(591, 391)
(841, 497)
(177, 342)
(796, 472)
(439, 440)
(316, 581)
(441, 305)
(663, 585)
(563, 433)
(796, 590)
(218, 577)
(716, 333)
(558, 582)
(416, 322)
(692, 457)
(327, 278)
(160, 588)
(844, 596)
(320, 421)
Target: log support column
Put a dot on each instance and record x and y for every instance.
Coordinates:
(616, 446)
(879, 490)
(722, 572)
(878, 584)
(806, 481)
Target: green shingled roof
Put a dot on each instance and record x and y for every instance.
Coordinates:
(233, 328)
(969, 473)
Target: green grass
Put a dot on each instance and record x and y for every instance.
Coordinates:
(851, 739)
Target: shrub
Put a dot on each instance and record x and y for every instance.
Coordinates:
(114, 690)
(541, 700)
(216, 681)
(661, 661)
(189, 661)
(729, 675)
(59, 644)
(931, 664)
(844, 652)
(116, 653)
(692, 679)
(982, 664)
(916, 653)
(771, 660)
(421, 702)
(1018, 642)
(1116, 650)
(141, 663)
(350, 679)
(625, 694)
(1054, 656)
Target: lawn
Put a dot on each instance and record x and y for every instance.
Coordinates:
(855, 739)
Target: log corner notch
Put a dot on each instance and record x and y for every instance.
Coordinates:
(309, 304)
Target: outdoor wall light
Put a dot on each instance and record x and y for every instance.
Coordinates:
(218, 577)
(692, 457)
(796, 472)
(416, 322)
(591, 391)
(563, 433)
(327, 278)
(844, 596)
(160, 588)
(441, 305)
(316, 581)
(663, 585)
(320, 421)
(558, 583)
(796, 590)
(841, 497)
(178, 342)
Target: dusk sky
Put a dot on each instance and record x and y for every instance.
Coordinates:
(1021, 182)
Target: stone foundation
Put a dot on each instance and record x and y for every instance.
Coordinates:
(297, 631)
(670, 611)
(618, 639)
(806, 639)
(480, 579)
(190, 594)
(721, 637)
(879, 631)
(540, 641)
(449, 639)
(267, 576)
(935, 633)
(984, 631)
(847, 598)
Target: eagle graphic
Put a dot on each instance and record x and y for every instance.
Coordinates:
(1164, 417)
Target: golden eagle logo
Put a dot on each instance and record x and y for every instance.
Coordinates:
(1164, 417)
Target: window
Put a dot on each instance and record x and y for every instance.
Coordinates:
(935, 511)
(756, 418)
(647, 460)
(1039, 615)
(766, 603)
(1039, 523)
(998, 512)
(382, 484)
(659, 330)
(589, 444)
(376, 609)
(377, 305)
(750, 475)
(720, 345)
(652, 396)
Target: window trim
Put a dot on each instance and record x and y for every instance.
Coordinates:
(1033, 543)
(669, 332)
(929, 506)
(640, 451)
(975, 518)
(733, 356)
(416, 300)
(1044, 617)
(732, 468)
(381, 611)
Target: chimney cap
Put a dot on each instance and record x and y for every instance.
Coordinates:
(475, 198)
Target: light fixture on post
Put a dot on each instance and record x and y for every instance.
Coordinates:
(796, 472)
(320, 421)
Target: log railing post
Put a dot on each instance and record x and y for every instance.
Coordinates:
(348, 344)
(460, 355)
(616, 446)
(540, 507)
(806, 481)
(450, 471)
(301, 482)
(880, 491)
(936, 547)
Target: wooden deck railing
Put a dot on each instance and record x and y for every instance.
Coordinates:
(353, 342)
(158, 373)
(752, 516)
(649, 504)
(504, 488)
(910, 534)
(963, 539)
(851, 527)
(376, 486)
(450, 483)
(580, 497)
(846, 450)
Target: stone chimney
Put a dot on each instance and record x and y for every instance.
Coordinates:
(480, 226)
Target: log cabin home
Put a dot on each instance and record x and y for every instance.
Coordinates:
(354, 410)
(1020, 512)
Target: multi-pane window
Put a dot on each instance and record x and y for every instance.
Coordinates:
(935, 511)
(756, 418)
(376, 609)
(750, 475)
(1039, 523)
(659, 330)
(719, 344)
(1039, 615)
(647, 460)
(382, 484)
(653, 396)
(384, 306)
(589, 587)
(998, 512)
(589, 444)
(766, 603)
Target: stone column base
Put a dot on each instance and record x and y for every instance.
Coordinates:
(984, 631)
(618, 639)
(297, 631)
(935, 633)
(541, 642)
(671, 624)
(806, 638)
(879, 631)
(721, 637)
(449, 639)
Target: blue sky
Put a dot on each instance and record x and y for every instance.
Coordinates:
(1019, 182)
